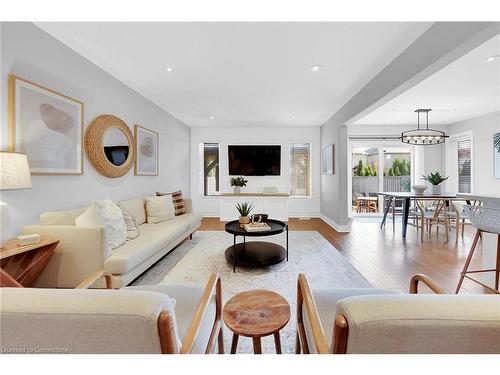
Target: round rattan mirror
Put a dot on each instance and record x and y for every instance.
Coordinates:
(109, 144)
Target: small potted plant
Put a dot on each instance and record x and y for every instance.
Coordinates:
(435, 179)
(244, 209)
(238, 183)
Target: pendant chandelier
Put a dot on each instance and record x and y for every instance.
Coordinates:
(423, 137)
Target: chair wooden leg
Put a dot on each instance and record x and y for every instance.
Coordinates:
(297, 343)
(467, 262)
(220, 341)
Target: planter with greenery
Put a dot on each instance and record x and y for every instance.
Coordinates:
(434, 179)
(244, 209)
(238, 183)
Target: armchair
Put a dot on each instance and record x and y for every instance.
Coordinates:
(386, 321)
(164, 319)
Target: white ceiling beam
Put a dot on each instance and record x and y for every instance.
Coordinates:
(440, 45)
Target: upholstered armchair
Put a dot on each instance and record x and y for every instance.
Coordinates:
(167, 319)
(345, 321)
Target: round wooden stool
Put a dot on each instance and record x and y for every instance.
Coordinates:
(255, 314)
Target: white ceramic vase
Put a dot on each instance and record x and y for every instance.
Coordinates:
(237, 189)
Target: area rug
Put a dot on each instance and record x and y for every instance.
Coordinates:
(309, 253)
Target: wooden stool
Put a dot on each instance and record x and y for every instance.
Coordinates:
(465, 270)
(255, 314)
(486, 220)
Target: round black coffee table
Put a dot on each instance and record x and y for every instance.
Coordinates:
(256, 253)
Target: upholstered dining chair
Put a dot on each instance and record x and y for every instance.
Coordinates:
(349, 321)
(168, 319)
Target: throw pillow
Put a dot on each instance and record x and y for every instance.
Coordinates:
(131, 229)
(109, 216)
(159, 209)
(178, 202)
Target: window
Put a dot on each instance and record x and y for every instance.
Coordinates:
(300, 169)
(464, 165)
(211, 168)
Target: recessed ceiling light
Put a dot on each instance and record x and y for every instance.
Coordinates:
(492, 58)
(169, 69)
(292, 117)
(212, 117)
(316, 68)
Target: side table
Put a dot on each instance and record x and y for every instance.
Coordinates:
(20, 266)
(255, 314)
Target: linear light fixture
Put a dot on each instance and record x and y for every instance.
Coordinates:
(423, 137)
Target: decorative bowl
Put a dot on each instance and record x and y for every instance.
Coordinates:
(419, 189)
(263, 217)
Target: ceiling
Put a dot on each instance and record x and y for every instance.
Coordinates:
(242, 74)
(467, 88)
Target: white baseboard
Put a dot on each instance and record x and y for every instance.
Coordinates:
(334, 225)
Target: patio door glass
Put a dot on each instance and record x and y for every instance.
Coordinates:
(397, 169)
(365, 179)
(377, 167)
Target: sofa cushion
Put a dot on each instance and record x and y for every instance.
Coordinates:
(136, 208)
(422, 323)
(82, 320)
(152, 239)
(326, 302)
(61, 217)
(186, 299)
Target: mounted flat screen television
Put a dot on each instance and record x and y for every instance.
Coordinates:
(254, 160)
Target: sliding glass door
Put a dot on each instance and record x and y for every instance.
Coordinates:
(375, 167)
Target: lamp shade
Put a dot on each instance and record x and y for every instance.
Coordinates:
(14, 171)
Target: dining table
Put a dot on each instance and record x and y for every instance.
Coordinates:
(406, 197)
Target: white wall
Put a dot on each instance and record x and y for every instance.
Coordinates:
(298, 206)
(483, 128)
(32, 54)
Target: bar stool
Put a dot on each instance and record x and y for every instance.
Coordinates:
(487, 220)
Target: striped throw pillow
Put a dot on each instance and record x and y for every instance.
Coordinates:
(178, 201)
(132, 230)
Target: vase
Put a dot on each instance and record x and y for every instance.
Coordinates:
(244, 219)
(435, 189)
(237, 190)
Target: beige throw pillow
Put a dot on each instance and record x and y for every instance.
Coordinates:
(132, 230)
(159, 209)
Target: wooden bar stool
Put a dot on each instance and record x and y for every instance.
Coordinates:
(486, 220)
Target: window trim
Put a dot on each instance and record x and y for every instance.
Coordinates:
(451, 154)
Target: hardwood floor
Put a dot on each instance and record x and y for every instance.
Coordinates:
(388, 261)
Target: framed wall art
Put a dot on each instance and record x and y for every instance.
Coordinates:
(147, 148)
(328, 159)
(47, 126)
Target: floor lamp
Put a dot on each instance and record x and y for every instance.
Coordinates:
(14, 174)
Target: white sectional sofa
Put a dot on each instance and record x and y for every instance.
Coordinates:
(81, 252)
